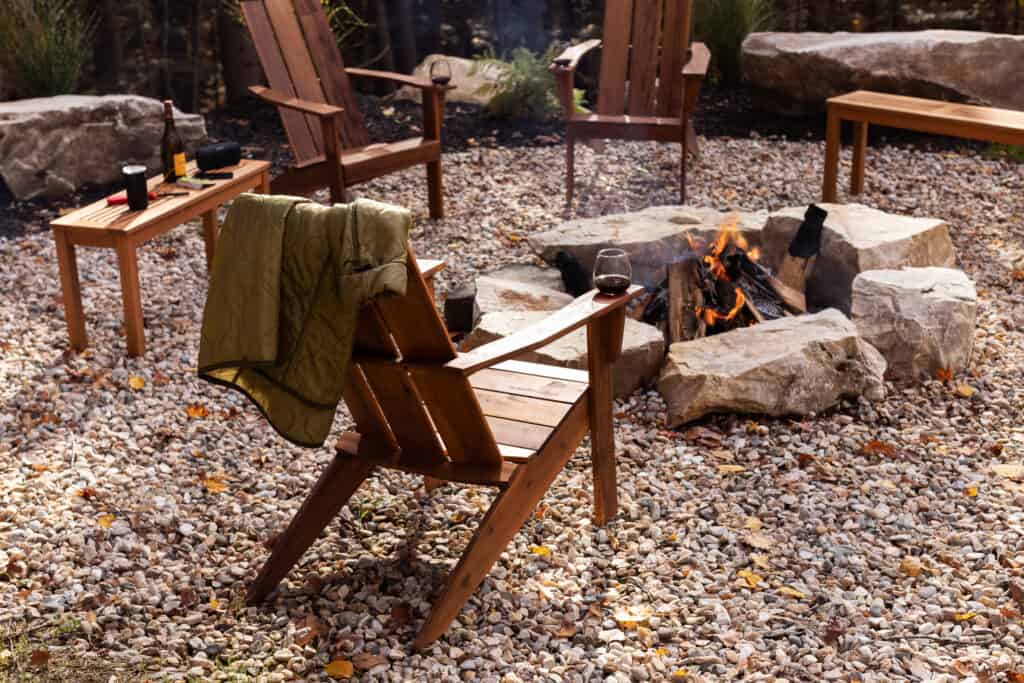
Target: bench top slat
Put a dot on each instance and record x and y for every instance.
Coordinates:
(931, 110)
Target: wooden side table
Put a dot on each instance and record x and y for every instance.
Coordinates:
(120, 228)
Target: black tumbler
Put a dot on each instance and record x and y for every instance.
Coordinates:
(135, 187)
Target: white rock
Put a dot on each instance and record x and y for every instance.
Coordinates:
(808, 68)
(857, 238)
(470, 78)
(495, 294)
(920, 319)
(795, 365)
(53, 145)
(643, 347)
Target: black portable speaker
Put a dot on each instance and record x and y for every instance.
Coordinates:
(218, 155)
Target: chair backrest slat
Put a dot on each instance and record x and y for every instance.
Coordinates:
(296, 125)
(323, 48)
(643, 60)
(611, 96)
(673, 55)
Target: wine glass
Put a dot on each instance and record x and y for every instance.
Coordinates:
(440, 72)
(612, 272)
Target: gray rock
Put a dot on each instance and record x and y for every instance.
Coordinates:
(53, 145)
(653, 237)
(471, 80)
(808, 68)
(534, 275)
(494, 295)
(857, 238)
(920, 319)
(643, 347)
(796, 365)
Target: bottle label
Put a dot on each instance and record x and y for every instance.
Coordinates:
(179, 164)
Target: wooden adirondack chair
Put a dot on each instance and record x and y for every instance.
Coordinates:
(649, 82)
(309, 83)
(474, 418)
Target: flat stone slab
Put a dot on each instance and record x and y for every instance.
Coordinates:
(920, 319)
(857, 238)
(471, 80)
(534, 275)
(54, 145)
(496, 294)
(808, 68)
(643, 347)
(653, 237)
(790, 366)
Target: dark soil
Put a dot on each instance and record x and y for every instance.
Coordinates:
(723, 112)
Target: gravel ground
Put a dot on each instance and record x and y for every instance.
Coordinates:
(876, 542)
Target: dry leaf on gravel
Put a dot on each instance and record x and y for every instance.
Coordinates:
(367, 660)
(105, 521)
(944, 375)
(1009, 470)
(761, 561)
(541, 550)
(339, 668)
(40, 658)
(792, 592)
(196, 410)
(731, 469)
(760, 541)
(566, 630)
(911, 566)
(136, 382)
(876, 447)
(215, 484)
(971, 491)
(750, 577)
(964, 616)
(753, 523)
(965, 390)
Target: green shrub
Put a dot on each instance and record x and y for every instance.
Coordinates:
(43, 45)
(723, 24)
(526, 87)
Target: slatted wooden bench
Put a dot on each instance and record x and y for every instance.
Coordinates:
(864, 107)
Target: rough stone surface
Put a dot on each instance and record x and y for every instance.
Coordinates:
(495, 294)
(808, 68)
(791, 366)
(53, 145)
(469, 78)
(652, 237)
(643, 347)
(920, 319)
(857, 238)
(535, 275)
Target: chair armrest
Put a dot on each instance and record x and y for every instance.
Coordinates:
(288, 102)
(700, 58)
(404, 79)
(582, 310)
(571, 56)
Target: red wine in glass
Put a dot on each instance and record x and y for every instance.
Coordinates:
(612, 272)
(440, 72)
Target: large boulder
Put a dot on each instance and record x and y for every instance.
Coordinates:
(857, 238)
(808, 68)
(53, 145)
(495, 294)
(643, 347)
(653, 237)
(472, 80)
(920, 319)
(790, 366)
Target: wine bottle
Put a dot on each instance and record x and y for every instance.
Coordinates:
(172, 149)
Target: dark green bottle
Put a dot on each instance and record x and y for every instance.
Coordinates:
(172, 149)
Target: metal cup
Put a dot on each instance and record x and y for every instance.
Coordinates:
(135, 187)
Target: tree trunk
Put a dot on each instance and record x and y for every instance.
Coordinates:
(430, 37)
(402, 18)
(520, 23)
(239, 61)
(107, 49)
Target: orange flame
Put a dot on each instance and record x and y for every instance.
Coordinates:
(729, 234)
(711, 316)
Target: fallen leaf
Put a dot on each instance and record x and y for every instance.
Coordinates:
(911, 566)
(964, 616)
(566, 630)
(367, 660)
(661, 652)
(834, 630)
(761, 561)
(136, 382)
(1017, 275)
(540, 550)
(215, 485)
(876, 447)
(805, 459)
(1013, 471)
(628, 619)
(339, 668)
(750, 577)
(308, 630)
(105, 521)
(753, 523)
(944, 374)
(792, 592)
(214, 603)
(196, 410)
(759, 541)
(965, 390)
(731, 469)
(160, 379)
(40, 467)
(680, 673)
(541, 510)
(88, 493)
(1015, 677)
(971, 491)
(40, 658)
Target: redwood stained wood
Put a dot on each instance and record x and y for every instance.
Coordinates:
(458, 416)
(673, 52)
(323, 48)
(643, 62)
(550, 371)
(414, 323)
(521, 408)
(407, 416)
(519, 434)
(527, 385)
(611, 96)
(297, 126)
(604, 344)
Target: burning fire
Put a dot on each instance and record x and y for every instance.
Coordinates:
(729, 234)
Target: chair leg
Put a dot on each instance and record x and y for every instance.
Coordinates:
(860, 146)
(832, 143)
(335, 486)
(570, 167)
(508, 513)
(435, 189)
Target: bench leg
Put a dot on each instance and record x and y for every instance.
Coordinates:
(129, 266)
(860, 145)
(210, 236)
(435, 189)
(264, 186)
(828, 193)
(71, 290)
